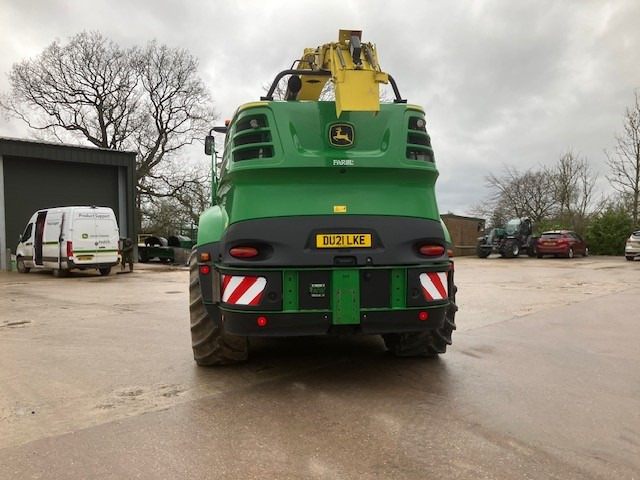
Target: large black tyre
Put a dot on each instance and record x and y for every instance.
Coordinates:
(211, 345)
(511, 249)
(425, 344)
(22, 268)
(105, 271)
(630, 258)
(483, 252)
(531, 251)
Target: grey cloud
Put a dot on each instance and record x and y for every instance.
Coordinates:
(501, 81)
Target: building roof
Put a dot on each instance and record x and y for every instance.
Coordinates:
(451, 215)
(27, 148)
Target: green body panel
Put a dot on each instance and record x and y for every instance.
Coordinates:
(297, 172)
(290, 291)
(398, 288)
(447, 237)
(345, 286)
(212, 225)
(308, 176)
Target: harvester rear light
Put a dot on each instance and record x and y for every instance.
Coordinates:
(432, 250)
(205, 257)
(243, 252)
(70, 250)
(423, 316)
(262, 321)
(205, 269)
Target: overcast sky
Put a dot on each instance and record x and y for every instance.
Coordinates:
(502, 82)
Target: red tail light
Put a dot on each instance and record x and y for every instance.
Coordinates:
(69, 249)
(205, 269)
(262, 321)
(243, 252)
(432, 250)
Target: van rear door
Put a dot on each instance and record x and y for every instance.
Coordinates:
(51, 240)
(94, 236)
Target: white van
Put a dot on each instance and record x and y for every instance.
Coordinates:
(64, 238)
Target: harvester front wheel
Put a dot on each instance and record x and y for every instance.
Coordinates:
(425, 344)
(211, 345)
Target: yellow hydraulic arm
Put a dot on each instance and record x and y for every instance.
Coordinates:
(350, 64)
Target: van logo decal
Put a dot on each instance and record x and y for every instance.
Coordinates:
(341, 135)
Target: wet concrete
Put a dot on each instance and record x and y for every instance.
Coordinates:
(543, 381)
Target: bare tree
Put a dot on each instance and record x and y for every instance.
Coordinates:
(149, 100)
(574, 184)
(87, 88)
(521, 194)
(624, 158)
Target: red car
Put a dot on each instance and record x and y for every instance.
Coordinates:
(561, 242)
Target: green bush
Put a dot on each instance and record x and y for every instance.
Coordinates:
(608, 232)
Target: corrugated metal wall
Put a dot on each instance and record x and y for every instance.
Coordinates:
(32, 184)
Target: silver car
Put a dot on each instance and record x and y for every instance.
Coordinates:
(632, 249)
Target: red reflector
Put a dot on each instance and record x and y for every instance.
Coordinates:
(262, 321)
(70, 249)
(243, 252)
(205, 269)
(432, 250)
(423, 316)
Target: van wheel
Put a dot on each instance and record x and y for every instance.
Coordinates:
(60, 273)
(104, 271)
(22, 268)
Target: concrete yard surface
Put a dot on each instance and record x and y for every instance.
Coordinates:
(542, 381)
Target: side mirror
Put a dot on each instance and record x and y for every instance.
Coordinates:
(209, 144)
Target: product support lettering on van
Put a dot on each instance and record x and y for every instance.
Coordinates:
(101, 216)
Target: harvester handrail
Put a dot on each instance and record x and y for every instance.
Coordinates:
(326, 73)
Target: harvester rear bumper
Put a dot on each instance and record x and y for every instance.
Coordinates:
(279, 324)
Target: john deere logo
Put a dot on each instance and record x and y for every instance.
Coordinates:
(341, 135)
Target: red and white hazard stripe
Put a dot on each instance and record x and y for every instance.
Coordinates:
(434, 285)
(239, 290)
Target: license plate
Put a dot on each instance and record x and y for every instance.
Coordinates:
(549, 244)
(83, 258)
(343, 240)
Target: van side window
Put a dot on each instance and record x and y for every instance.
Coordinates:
(27, 232)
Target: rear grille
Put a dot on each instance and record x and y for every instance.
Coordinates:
(413, 124)
(252, 153)
(418, 141)
(415, 153)
(252, 139)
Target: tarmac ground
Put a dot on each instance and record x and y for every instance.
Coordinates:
(97, 380)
